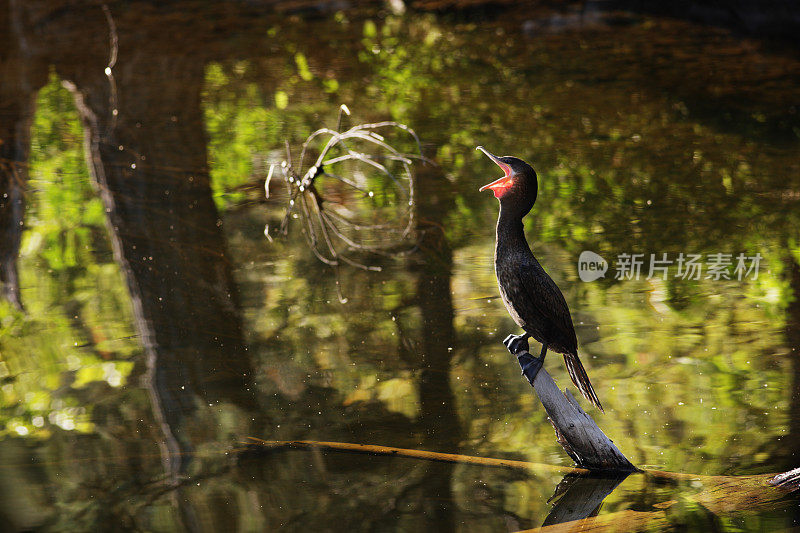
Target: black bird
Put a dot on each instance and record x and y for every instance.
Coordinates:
(530, 295)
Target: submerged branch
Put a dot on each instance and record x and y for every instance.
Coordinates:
(581, 488)
(372, 449)
(710, 484)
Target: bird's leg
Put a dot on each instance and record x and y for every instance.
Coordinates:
(530, 364)
(517, 343)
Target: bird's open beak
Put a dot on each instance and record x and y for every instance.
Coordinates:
(500, 185)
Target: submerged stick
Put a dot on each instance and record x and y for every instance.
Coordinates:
(577, 433)
(716, 493)
(372, 449)
(746, 484)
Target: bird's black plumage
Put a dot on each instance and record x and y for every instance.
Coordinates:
(532, 298)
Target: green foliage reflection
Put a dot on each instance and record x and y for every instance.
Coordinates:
(77, 330)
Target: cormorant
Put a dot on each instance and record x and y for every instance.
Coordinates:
(532, 298)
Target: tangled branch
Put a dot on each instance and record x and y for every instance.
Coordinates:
(356, 197)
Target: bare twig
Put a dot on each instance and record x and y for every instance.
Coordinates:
(334, 229)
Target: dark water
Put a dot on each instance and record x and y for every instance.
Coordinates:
(161, 327)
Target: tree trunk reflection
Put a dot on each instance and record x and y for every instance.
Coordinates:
(21, 77)
(147, 150)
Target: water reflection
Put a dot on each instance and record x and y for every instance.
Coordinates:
(437, 340)
(21, 79)
(580, 496)
(147, 148)
(792, 440)
(134, 411)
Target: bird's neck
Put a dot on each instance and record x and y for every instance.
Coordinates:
(510, 233)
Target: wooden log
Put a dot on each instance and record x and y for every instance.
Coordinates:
(577, 433)
(788, 480)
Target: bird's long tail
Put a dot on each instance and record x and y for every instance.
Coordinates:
(581, 379)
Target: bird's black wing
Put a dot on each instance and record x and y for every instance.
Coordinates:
(558, 330)
(549, 306)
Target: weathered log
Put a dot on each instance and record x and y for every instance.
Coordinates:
(577, 433)
(788, 480)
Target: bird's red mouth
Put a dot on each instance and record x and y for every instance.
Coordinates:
(501, 185)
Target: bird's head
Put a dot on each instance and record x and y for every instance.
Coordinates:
(518, 186)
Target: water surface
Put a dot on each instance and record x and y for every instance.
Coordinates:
(161, 327)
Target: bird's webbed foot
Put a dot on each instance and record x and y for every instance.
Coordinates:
(530, 365)
(517, 343)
